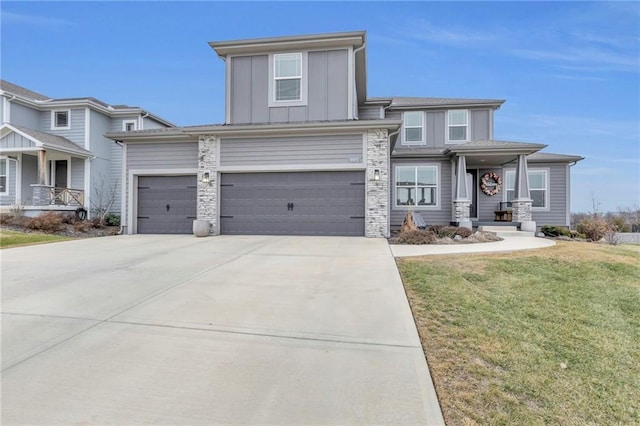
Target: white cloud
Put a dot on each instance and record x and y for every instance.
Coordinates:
(35, 20)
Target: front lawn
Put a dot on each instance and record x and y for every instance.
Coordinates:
(533, 337)
(12, 239)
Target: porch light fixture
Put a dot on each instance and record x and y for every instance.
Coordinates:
(376, 174)
(206, 179)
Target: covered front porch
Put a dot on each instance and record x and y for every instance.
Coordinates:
(44, 172)
(491, 184)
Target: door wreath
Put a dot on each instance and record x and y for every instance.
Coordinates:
(491, 183)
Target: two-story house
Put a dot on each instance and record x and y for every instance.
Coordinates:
(53, 152)
(304, 151)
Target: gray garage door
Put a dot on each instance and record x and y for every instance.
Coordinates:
(166, 204)
(306, 203)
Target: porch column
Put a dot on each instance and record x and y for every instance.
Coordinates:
(461, 199)
(41, 195)
(521, 203)
(42, 167)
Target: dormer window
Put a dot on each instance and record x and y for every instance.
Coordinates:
(458, 125)
(414, 128)
(287, 74)
(61, 119)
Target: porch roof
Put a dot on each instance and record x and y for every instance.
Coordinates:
(43, 140)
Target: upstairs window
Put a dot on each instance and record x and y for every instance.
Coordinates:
(537, 187)
(129, 125)
(4, 171)
(414, 127)
(61, 119)
(458, 125)
(417, 186)
(287, 75)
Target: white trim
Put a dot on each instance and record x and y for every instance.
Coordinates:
(19, 179)
(135, 123)
(352, 110)
(8, 172)
(567, 188)
(304, 77)
(53, 119)
(227, 91)
(132, 202)
(547, 194)
(491, 124)
(6, 110)
(87, 129)
(87, 185)
(448, 126)
(422, 141)
(123, 186)
(437, 206)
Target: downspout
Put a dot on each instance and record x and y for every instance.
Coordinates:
(141, 118)
(389, 191)
(355, 91)
(6, 112)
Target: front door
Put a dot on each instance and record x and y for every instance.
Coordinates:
(472, 183)
(61, 173)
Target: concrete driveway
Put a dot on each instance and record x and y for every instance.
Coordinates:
(233, 330)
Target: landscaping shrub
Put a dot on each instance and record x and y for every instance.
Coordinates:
(112, 220)
(46, 222)
(416, 237)
(82, 226)
(96, 222)
(594, 228)
(444, 231)
(5, 218)
(555, 231)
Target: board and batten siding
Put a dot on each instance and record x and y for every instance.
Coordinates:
(77, 173)
(437, 127)
(159, 156)
(302, 150)
(76, 132)
(327, 96)
(21, 115)
(10, 197)
(439, 216)
(14, 140)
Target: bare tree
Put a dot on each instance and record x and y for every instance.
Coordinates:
(104, 198)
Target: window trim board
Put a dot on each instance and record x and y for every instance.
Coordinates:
(423, 140)
(303, 101)
(448, 127)
(438, 187)
(547, 195)
(53, 119)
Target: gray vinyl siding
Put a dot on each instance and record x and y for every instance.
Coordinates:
(75, 134)
(14, 140)
(10, 197)
(100, 168)
(558, 187)
(369, 112)
(29, 165)
(21, 115)
(2, 98)
(302, 150)
(159, 156)
(327, 83)
(77, 173)
(149, 123)
(431, 217)
(479, 122)
(115, 125)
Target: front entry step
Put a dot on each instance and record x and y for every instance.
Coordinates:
(506, 231)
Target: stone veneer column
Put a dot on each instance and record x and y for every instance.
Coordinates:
(208, 193)
(522, 214)
(41, 195)
(377, 207)
(461, 209)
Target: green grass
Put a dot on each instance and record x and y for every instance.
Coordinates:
(15, 239)
(549, 336)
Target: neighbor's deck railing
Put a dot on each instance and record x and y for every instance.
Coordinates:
(66, 196)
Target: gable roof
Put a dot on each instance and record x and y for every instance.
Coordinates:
(548, 157)
(22, 91)
(47, 140)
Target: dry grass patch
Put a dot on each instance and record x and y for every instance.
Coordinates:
(535, 337)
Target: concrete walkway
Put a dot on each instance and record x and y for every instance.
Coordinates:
(509, 243)
(223, 330)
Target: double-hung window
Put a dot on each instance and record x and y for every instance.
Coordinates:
(458, 125)
(417, 186)
(538, 188)
(414, 127)
(61, 119)
(4, 172)
(287, 77)
(129, 125)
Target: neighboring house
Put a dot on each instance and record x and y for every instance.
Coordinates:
(305, 151)
(53, 152)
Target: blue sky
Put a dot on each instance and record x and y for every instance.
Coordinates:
(570, 71)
